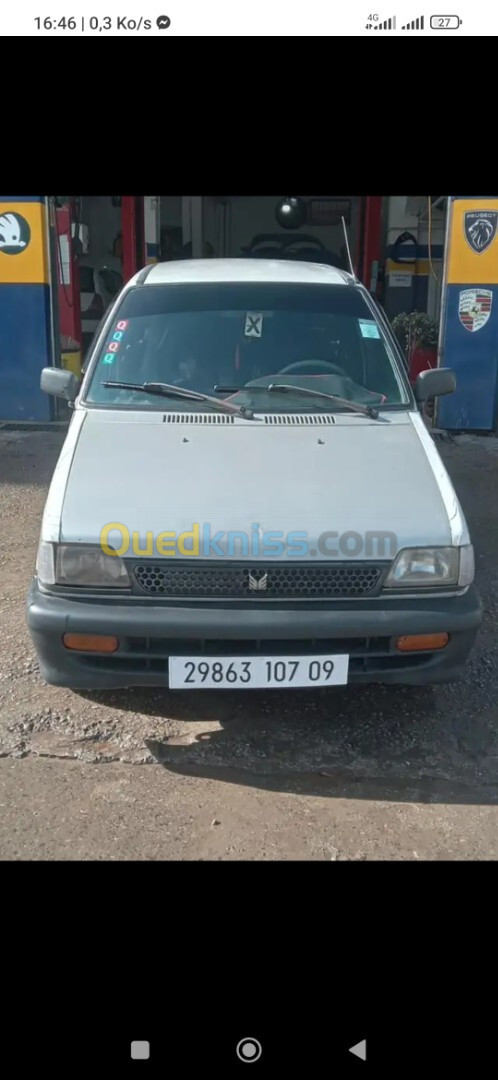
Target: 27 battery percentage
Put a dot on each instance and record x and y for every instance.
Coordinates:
(445, 22)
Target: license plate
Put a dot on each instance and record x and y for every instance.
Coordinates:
(256, 672)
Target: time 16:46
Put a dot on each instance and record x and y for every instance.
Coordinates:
(53, 24)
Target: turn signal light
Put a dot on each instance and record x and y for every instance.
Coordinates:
(90, 642)
(416, 642)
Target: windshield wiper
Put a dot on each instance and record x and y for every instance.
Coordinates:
(165, 390)
(286, 388)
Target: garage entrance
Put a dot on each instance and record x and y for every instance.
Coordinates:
(99, 244)
(234, 226)
(102, 240)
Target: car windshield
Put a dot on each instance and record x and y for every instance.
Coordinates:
(227, 336)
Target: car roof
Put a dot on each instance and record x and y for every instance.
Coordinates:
(240, 270)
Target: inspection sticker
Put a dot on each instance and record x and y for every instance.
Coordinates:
(254, 325)
(369, 328)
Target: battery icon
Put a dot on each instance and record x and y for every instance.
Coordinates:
(445, 22)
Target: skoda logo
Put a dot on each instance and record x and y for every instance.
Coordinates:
(15, 233)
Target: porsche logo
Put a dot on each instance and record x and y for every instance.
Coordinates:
(474, 308)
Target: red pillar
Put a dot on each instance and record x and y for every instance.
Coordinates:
(132, 210)
(372, 242)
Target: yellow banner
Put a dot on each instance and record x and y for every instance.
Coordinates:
(23, 244)
(473, 242)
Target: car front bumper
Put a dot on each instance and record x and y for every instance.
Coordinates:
(150, 632)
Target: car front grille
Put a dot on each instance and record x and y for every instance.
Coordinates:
(278, 581)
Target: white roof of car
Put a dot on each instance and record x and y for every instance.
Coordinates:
(234, 270)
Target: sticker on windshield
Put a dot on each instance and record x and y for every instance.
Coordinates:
(254, 325)
(369, 328)
(113, 345)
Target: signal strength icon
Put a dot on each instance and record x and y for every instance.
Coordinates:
(415, 24)
(388, 24)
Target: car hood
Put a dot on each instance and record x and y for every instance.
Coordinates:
(355, 476)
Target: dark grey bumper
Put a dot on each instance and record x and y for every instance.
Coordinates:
(149, 633)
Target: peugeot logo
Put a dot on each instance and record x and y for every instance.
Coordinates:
(258, 584)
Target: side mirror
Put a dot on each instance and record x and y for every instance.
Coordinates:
(59, 383)
(435, 383)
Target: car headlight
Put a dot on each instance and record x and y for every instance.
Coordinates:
(427, 567)
(80, 564)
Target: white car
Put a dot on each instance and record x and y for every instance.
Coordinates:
(248, 495)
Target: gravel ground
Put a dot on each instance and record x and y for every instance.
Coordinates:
(354, 773)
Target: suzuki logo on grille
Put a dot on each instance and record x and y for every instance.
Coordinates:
(258, 584)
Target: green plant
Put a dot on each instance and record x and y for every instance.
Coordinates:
(415, 330)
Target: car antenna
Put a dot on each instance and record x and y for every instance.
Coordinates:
(350, 261)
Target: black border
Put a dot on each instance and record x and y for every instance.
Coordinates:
(257, 114)
(310, 960)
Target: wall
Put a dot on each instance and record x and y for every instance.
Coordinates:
(469, 342)
(25, 307)
(230, 223)
(171, 222)
(250, 214)
(171, 210)
(412, 286)
(104, 223)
